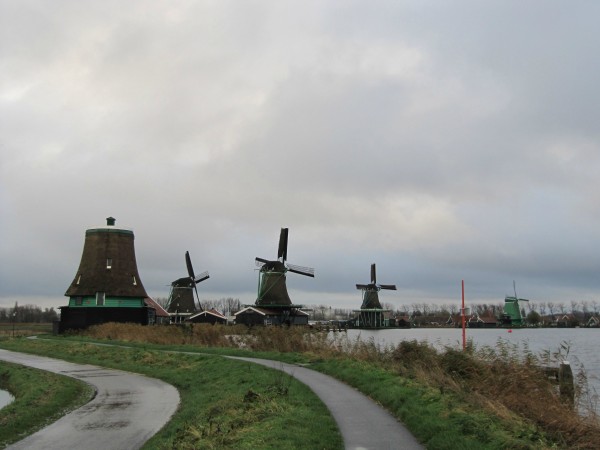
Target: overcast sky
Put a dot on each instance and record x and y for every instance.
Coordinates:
(441, 140)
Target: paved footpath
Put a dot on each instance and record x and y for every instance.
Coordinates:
(128, 409)
(362, 422)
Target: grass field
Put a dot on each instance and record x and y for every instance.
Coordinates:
(492, 398)
(24, 329)
(225, 404)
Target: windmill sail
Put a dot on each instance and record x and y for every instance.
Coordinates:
(370, 291)
(181, 297)
(272, 289)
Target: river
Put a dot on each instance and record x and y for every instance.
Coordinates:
(5, 398)
(582, 343)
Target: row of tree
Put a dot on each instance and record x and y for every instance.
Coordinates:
(583, 309)
(27, 314)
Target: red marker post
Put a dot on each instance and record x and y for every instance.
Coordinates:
(464, 334)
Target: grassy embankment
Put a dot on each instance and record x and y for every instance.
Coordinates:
(489, 398)
(224, 403)
(40, 398)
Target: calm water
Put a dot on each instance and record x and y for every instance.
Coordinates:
(5, 398)
(583, 342)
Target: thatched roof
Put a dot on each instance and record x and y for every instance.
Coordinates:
(107, 265)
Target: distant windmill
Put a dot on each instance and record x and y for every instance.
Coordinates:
(370, 296)
(512, 314)
(181, 298)
(272, 290)
(371, 314)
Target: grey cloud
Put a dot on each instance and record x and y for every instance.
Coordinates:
(439, 141)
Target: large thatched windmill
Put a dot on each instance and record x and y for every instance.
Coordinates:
(181, 302)
(371, 314)
(107, 286)
(273, 304)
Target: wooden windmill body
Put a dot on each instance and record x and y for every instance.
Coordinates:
(181, 304)
(273, 304)
(371, 314)
(107, 285)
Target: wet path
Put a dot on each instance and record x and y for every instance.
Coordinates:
(362, 422)
(128, 409)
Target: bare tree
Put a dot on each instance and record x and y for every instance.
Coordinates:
(542, 306)
(585, 307)
(231, 305)
(162, 301)
(574, 305)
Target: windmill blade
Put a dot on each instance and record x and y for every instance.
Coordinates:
(373, 274)
(391, 287)
(198, 297)
(362, 286)
(306, 271)
(203, 276)
(283, 242)
(188, 263)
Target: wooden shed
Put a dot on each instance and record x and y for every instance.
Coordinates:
(211, 316)
(255, 315)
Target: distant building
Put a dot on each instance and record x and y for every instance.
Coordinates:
(254, 315)
(211, 316)
(107, 286)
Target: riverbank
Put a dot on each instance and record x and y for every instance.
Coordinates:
(448, 399)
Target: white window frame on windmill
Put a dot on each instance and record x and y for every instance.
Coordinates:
(109, 263)
(134, 280)
(100, 298)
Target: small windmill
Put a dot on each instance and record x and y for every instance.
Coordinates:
(272, 290)
(370, 296)
(371, 312)
(181, 298)
(512, 315)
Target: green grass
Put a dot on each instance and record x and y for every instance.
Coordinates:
(440, 420)
(488, 399)
(40, 398)
(224, 403)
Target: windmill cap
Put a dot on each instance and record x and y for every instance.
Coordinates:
(109, 227)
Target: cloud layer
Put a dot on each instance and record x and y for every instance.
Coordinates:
(443, 142)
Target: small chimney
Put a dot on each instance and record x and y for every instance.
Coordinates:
(110, 221)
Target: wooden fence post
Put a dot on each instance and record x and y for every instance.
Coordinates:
(566, 382)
